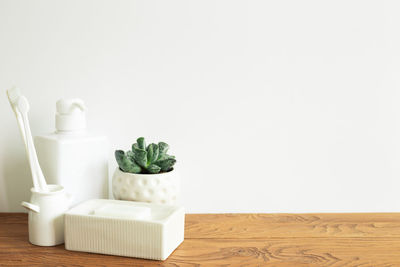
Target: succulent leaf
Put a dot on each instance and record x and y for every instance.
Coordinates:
(166, 164)
(163, 147)
(119, 155)
(162, 157)
(140, 157)
(141, 143)
(125, 163)
(134, 168)
(153, 168)
(152, 153)
(135, 146)
(130, 155)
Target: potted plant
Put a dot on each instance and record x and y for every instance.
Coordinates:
(146, 174)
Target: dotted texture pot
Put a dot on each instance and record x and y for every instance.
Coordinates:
(162, 188)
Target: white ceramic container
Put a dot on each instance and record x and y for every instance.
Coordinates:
(152, 234)
(162, 188)
(72, 156)
(46, 215)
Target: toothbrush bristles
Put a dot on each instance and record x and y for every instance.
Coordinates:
(13, 94)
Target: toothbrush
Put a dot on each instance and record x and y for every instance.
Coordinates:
(13, 96)
(23, 107)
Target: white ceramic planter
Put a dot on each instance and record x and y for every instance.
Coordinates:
(162, 188)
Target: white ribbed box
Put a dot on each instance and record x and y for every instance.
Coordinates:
(153, 238)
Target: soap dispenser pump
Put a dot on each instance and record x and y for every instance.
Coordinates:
(70, 116)
(73, 157)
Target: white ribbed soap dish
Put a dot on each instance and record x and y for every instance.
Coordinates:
(124, 228)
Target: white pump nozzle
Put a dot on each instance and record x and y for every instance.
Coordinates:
(67, 106)
(70, 115)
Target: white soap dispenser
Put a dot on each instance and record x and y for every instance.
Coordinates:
(72, 157)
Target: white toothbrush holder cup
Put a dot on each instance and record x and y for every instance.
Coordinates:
(46, 215)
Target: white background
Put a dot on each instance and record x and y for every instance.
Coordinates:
(269, 106)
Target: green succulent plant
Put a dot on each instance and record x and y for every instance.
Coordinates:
(144, 159)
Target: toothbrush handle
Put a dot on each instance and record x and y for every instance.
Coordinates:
(42, 181)
(33, 156)
(21, 127)
(22, 122)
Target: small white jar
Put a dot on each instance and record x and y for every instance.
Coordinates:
(161, 188)
(46, 215)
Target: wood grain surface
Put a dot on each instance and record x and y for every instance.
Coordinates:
(333, 240)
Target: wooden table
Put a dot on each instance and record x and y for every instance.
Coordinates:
(238, 240)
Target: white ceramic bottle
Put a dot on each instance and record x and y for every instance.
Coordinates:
(72, 157)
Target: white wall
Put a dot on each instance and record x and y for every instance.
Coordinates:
(269, 106)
